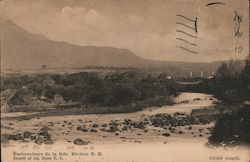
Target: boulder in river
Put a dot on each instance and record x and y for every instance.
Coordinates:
(104, 125)
(113, 128)
(82, 128)
(85, 130)
(17, 136)
(45, 129)
(125, 128)
(127, 122)
(33, 137)
(44, 134)
(79, 127)
(27, 134)
(39, 140)
(113, 123)
(25, 140)
(5, 137)
(48, 141)
(166, 134)
(95, 125)
(181, 132)
(79, 141)
(139, 125)
(93, 130)
(103, 129)
(171, 129)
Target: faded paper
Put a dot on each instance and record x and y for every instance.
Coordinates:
(125, 80)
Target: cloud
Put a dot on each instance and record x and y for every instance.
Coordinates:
(91, 14)
(78, 16)
(79, 12)
(74, 11)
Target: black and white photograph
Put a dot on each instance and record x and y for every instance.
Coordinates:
(125, 80)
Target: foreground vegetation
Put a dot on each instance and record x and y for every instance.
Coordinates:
(232, 129)
(232, 87)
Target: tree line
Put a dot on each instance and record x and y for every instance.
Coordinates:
(113, 89)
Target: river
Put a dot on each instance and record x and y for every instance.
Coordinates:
(135, 144)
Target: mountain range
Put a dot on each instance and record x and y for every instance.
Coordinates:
(21, 49)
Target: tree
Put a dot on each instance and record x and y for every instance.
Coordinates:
(232, 129)
(122, 94)
(245, 80)
(246, 70)
(231, 70)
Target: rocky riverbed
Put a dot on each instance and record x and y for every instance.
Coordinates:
(152, 124)
(162, 126)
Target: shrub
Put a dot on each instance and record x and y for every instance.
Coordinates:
(232, 129)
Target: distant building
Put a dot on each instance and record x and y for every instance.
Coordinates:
(202, 74)
(168, 77)
(191, 74)
(247, 102)
(212, 75)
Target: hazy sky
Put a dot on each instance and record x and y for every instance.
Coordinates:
(146, 27)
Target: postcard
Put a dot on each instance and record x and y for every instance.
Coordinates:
(125, 81)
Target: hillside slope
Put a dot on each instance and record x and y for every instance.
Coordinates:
(21, 49)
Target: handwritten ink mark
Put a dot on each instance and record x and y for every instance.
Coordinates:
(195, 22)
(215, 3)
(238, 21)
(186, 41)
(238, 49)
(195, 25)
(180, 31)
(185, 25)
(186, 18)
(186, 49)
(187, 33)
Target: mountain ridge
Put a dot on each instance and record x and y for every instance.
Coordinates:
(24, 50)
(53, 53)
